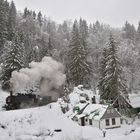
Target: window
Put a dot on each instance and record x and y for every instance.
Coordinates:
(107, 122)
(86, 119)
(121, 121)
(90, 121)
(113, 121)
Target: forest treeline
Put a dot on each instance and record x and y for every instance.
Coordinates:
(29, 36)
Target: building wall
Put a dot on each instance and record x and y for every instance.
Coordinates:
(86, 121)
(111, 113)
(103, 123)
(79, 121)
(95, 123)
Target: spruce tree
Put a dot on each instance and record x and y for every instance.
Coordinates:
(34, 15)
(102, 73)
(11, 21)
(83, 34)
(13, 59)
(79, 68)
(25, 14)
(130, 32)
(138, 33)
(112, 85)
(3, 22)
(39, 18)
(50, 47)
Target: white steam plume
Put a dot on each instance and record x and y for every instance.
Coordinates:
(48, 74)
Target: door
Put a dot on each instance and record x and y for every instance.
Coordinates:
(82, 121)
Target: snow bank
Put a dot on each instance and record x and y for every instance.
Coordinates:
(36, 123)
(3, 96)
(40, 124)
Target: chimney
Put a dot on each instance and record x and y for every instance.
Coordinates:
(11, 93)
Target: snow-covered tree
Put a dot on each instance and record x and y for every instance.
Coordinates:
(129, 31)
(138, 33)
(11, 21)
(3, 22)
(83, 32)
(13, 59)
(40, 19)
(79, 68)
(112, 85)
(129, 56)
(102, 72)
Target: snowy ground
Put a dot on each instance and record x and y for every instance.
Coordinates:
(40, 124)
(3, 96)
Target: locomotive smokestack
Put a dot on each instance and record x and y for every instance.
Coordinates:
(11, 93)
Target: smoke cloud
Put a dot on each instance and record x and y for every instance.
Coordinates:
(46, 77)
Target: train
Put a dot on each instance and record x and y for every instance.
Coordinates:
(22, 100)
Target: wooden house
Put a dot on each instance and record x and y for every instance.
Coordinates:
(97, 115)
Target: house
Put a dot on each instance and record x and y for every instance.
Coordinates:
(97, 115)
(135, 103)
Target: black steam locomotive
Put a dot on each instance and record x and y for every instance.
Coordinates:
(20, 100)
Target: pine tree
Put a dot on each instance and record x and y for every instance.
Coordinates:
(83, 34)
(102, 73)
(112, 85)
(130, 32)
(3, 22)
(13, 59)
(138, 33)
(25, 14)
(34, 15)
(66, 30)
(50, 47)
(83, 31)
(39, 18)
(35, 54)
(11, 21)
(79, 68)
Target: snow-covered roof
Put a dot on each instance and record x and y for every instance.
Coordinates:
(134, 100)
(82, 99)
(70, 114)
(78, 91)
(95, 111)
(80, 86)
(80, 116)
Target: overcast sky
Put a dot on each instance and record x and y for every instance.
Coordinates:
(113, 12)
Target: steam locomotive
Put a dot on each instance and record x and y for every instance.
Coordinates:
(20, 101)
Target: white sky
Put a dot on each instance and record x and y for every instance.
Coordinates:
(113, 12)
